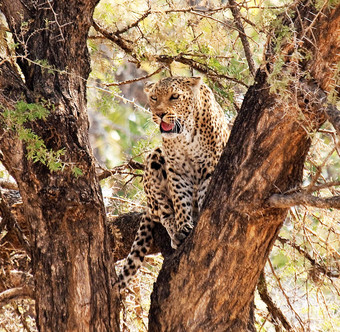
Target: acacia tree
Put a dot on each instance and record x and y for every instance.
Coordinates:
(64, 209)
(209, 282)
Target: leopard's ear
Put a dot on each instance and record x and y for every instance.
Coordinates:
(148, 86)
(195, 81)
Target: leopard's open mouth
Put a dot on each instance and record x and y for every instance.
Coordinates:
(170, 128)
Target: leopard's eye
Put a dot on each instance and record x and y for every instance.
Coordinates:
(154, 98)
(174, 96)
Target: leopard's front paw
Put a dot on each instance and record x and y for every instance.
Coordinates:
(181, 235)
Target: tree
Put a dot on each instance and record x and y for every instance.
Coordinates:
(209, 282)
(64, 209)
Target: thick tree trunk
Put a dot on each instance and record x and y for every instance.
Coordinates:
(70, 256)
(209, 283)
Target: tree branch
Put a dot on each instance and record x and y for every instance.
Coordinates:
(237, 17)
(275, 312)
(103, 173)
(200, 67)
(136, 79)
(14, 293)
(285, 201)
(8, 184)
(124, 44)
(134, 24)
(314, 96)
(333, 116)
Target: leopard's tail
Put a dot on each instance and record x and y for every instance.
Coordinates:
(139, 250)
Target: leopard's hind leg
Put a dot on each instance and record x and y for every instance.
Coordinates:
(159, 209)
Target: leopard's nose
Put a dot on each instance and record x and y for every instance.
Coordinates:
(161, 115)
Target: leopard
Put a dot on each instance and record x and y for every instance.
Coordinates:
(194, 132)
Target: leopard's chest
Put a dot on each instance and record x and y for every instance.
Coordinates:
(187, 157)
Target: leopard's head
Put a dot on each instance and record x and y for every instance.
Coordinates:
(173, 101)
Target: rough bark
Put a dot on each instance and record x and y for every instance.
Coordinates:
(214, 274)
(69, 240)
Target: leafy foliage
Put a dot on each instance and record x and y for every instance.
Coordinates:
(17, 119)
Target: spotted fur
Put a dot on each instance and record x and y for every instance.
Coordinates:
(194, 132)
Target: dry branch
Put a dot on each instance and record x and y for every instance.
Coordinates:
(124, 44)
(286, 201)
(15, 293)
(8, 185)
(103, 173)
(237, 17)
(134, 24)
(135, 79)
(275, 312)
(200, 67)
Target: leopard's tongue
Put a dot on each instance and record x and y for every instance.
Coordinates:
(167, 126)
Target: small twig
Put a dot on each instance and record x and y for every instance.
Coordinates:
(319, 267)
(136, 79)
(120, 199)
(314, 20)
(327, 309)
(275, 312)
(321, 239)
(122, 98)
(56, 21)
(319, 171)
(134, 24)
(224, 23)
(14, 293)
(323, 186)
(285, 295)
